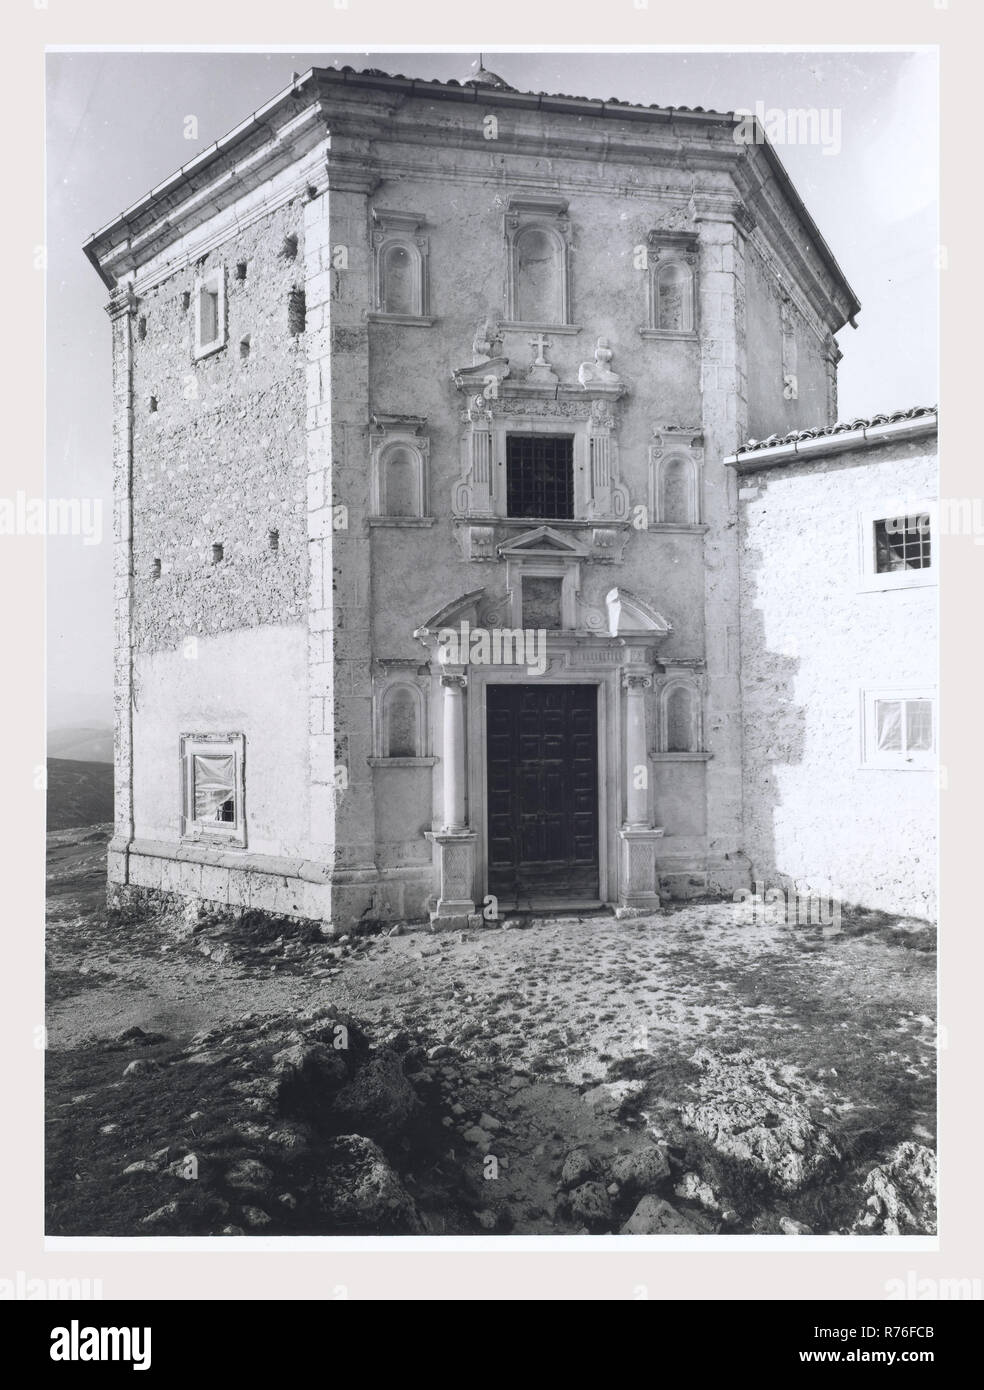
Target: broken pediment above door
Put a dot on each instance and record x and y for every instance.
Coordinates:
(629, 613)
(462, 609)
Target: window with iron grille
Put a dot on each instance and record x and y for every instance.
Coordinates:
(540, 476)
(902, 543)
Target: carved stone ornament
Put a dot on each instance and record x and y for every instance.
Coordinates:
(599, 372)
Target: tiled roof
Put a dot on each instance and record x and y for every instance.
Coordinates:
(501, 85)
(775, 441)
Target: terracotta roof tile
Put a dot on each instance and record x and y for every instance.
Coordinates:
(889, 418)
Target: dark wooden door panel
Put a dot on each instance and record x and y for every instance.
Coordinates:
(542, 752)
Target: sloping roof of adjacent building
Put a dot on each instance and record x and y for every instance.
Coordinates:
(803, 444)
(279, 123)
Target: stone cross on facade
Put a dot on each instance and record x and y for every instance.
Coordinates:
(539, 345)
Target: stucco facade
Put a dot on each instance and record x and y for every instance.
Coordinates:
(331, 333)
(828, 642)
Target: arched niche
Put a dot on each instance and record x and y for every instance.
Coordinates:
(401, 493)
(676, 490)
(399, 472)
(400, 282)
(537, 232)
(400, 725)
(673, 297)
(400, 279)
(539, 271)
(680, 718)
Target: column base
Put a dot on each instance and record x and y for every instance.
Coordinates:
(639, 891)
(454, 864)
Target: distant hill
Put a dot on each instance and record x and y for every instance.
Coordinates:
(85, 745)
(79, 793)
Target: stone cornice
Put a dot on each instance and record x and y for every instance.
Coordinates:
(361, 109)
(240, 164)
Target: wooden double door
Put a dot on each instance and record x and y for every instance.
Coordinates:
(542, 766)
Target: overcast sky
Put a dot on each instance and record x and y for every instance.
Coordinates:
(116, 127)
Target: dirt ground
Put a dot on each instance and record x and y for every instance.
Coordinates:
(572, 1034)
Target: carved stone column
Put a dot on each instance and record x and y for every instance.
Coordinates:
(638, 890)
(453, 688)
(454, 843)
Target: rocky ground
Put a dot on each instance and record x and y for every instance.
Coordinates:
(690, 1072)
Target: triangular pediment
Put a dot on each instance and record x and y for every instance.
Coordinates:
(628, 613)
(544, 540)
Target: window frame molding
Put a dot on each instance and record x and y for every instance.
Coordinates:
(871, 760)
(671, 248)
(385, 685)
(693, 683)
(194, 831)
(391, 228)
(667, 446)
(869, 580)
(203, 285)
(389, 432)
(545, 214)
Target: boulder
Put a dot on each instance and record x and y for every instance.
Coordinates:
(614, 1097)
(249, 1175)
(140, 1065)
(360, 1194)
(655, 1217)
(900, 1194)
(591, 1205)
(693, 1188)
(578, 1168)
(759, 1112)
(640, 1172)
(379, 1100)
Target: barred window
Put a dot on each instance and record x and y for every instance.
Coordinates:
(540, 476)
(902, 543)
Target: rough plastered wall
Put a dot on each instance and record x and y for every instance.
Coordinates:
(785, 338)
(222, 645)
(811, 640)
(220, 458)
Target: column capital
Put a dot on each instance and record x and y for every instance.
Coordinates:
(454, 680)
(636, 680)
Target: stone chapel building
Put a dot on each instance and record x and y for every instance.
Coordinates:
(427, 550)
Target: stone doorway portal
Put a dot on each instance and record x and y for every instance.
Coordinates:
(542, 771)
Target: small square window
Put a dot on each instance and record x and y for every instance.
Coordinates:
(898, 729)
(212, 788)
(897, 545)
(902, 543)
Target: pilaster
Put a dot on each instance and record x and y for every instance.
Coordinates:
(337, 291)
(121, 310)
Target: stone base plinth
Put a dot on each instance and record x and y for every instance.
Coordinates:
(639, 881)
(454, 866)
